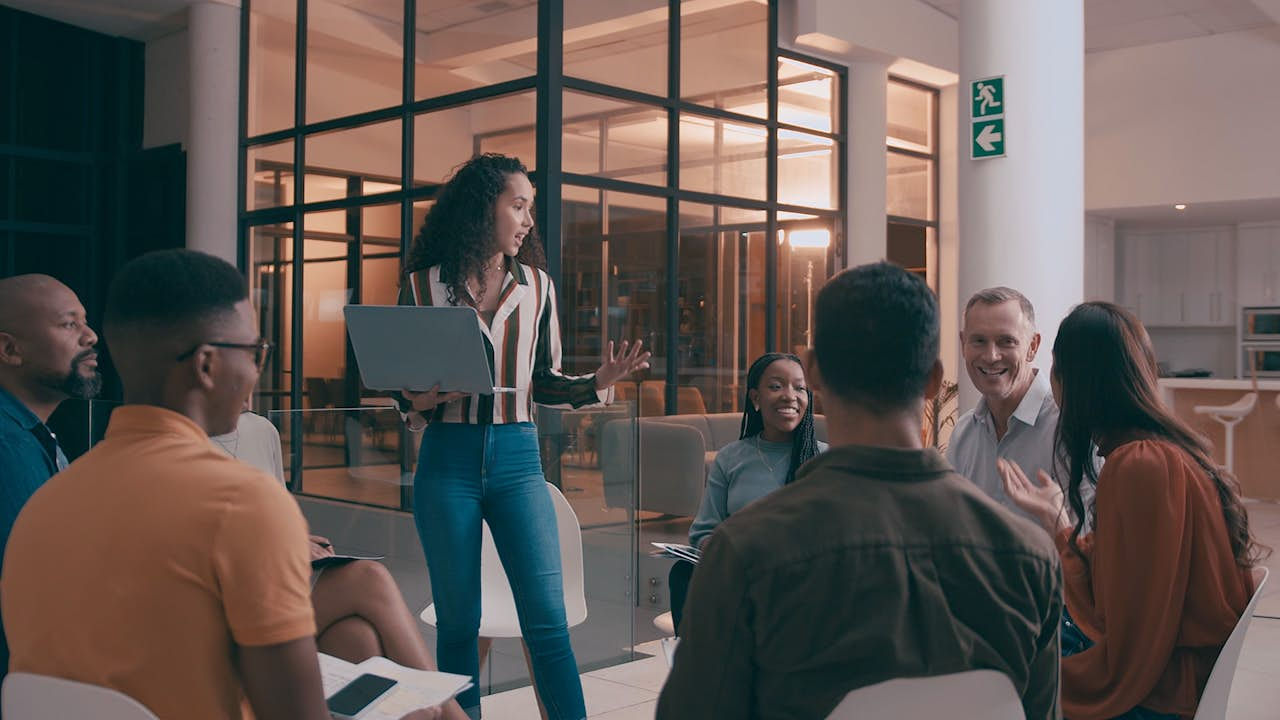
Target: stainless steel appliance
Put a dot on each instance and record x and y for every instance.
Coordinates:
(1265, 359)
(1259, 324)
(1258, 340)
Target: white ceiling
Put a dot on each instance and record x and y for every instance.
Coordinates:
(1196, 214)
(1111, 24)
(134, 19)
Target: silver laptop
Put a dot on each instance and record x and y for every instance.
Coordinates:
(410, 347)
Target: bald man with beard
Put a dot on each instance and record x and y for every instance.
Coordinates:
(46, 356)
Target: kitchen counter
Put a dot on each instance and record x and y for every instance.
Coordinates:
(1210, 383)
(1256, 436)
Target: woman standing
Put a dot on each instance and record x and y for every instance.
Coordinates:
(478, 248)
(776, 438)
(1156, 587)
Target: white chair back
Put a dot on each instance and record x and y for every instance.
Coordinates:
(1213, 702)
(972, 694)
(26, 696)
(498, 618)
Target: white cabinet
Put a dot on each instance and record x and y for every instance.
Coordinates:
(1180, 278)
(1258, 264)
(1099, 259)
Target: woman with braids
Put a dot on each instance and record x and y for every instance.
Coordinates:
(777, 437)
(478, 248)
(1157, 585)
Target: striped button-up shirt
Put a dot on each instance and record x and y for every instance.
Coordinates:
(523, 347)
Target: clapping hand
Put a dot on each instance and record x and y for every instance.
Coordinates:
(1042, 499)
(616, 366)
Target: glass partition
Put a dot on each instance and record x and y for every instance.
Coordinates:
(589, 454)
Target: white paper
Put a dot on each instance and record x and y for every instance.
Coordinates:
(414, 689)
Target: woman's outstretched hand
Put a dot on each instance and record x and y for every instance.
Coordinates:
(628, 359)
(1042, 499)
(425, 401)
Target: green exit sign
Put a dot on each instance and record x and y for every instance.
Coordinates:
(986, 118)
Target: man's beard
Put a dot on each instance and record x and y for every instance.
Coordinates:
(79, 385)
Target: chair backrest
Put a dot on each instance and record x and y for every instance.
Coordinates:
(972, 694)
(38, 697)
(689, 401)
(317, 392)
(1213, 702)
(498, 616)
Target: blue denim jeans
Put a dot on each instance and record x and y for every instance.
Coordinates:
(469, 472)
(1075, 641)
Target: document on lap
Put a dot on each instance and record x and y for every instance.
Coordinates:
(330, 560)
(676, 551)
(414, 689)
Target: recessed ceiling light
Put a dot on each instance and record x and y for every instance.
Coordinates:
(1180, 206)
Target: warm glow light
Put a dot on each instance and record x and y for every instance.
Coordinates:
(1179, 206)
(809, 238)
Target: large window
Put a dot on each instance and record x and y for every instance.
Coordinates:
(689, 181)
(912, 180)
(689, 177)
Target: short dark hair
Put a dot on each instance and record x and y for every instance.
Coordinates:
(172, 288)
(876, 336)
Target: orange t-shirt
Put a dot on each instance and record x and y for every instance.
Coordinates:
(1163, 592)
(145, 563)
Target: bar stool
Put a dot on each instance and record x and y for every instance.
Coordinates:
(1230, 416)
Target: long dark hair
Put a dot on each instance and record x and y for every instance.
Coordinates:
(458, 233)
(1104, 362)
(804, 445)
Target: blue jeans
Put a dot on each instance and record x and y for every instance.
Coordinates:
(1075, 641)
(469, 472)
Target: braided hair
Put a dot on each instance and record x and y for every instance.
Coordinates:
(804, 446)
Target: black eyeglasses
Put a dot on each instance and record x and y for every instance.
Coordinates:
(261, 350)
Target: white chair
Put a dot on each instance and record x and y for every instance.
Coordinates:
(983, 694)
(1230, 416)
(1213, 702)
(666, 623)
(38, 697)
(498, 617)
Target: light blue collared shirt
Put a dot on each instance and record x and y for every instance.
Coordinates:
(973, 447)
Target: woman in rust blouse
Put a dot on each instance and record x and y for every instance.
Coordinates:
(1158, 583)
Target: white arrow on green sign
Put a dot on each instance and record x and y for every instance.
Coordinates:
(986, 117)
(988, 138)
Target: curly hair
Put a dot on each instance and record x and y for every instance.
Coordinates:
(804, 444)
(459, 234)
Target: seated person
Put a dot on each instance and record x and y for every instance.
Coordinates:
(878, 561)
(154, 565)
(776, 439)
(359, 610)
(1155, 589)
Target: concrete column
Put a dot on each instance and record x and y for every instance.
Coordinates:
(948, 233)
(868, 165)
(1022, 216)
(212, 134)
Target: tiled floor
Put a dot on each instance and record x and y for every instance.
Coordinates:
(630, 691)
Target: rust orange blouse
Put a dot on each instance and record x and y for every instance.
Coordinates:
(1162, 591)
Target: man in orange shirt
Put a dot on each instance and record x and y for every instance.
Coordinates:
(155, 564)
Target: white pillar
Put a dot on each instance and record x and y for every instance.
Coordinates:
(212, 133)
(1022, 215)
(868, 164)
(948, 271)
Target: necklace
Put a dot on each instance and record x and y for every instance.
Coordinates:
(763, 459)
(220, 441)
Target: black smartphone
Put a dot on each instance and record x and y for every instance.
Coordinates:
(359, 694)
